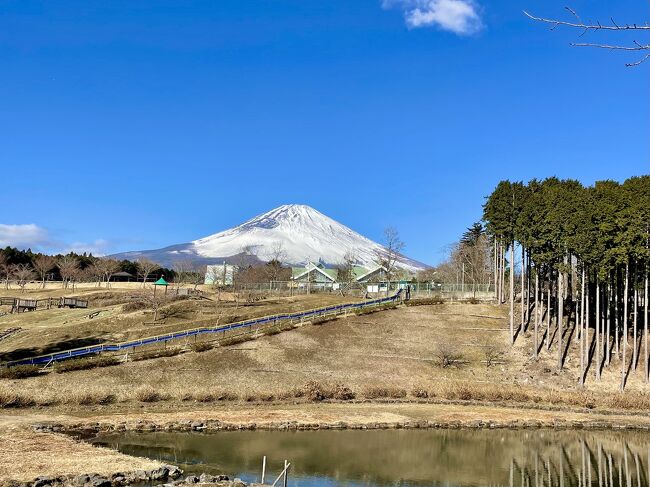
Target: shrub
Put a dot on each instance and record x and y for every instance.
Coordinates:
(13, 400)
(210, 396)
(178, 310)
(271, 331)
(315, 391)
(136, 305)
(165, 352)
(205, 397)
(227, 396)
(19, 371)
(86, 363)
(90, 399)
(447, 355)
(492, 355)
(148, 394)
(343, 393)
(462, 392)
(202, 346)
(235, 340)
(425, 301)
(420, 393)
(629, 400)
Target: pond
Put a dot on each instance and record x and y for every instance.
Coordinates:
(450, 458)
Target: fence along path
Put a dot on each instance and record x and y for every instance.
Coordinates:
(116, 347)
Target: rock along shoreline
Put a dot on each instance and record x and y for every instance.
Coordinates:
(89, 429)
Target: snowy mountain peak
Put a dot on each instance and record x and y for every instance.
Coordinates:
(285, 213)
(293, 234)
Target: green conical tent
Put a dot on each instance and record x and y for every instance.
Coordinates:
(160, 282)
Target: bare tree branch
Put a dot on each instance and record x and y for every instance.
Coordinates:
(587, 27)
(581, 25)
(609, 46)
(629, 65)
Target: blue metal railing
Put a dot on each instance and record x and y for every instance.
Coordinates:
(116, 347)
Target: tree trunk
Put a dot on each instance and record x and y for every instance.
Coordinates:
(645, 325)
(537, 316)
(523, 301)
(502, 284)
(625, 292)
(495, 268)
(617, 336)
(587, 323)
(608, 331)
(635, 352)
(528, 286)
(598, 334)
(548, 312)
(581, 330)
(560, 317)
(512, 292)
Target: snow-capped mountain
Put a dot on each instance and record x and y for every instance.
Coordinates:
(294, 234)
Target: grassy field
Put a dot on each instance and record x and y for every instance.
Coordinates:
(433, 352)
(123, 313)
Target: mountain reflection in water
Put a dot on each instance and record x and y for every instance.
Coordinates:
(450, 458)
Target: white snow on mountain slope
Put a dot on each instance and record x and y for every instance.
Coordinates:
(299, 232)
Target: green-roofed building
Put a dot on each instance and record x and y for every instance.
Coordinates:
(320, 276)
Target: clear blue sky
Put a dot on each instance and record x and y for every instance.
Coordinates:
(137, 124)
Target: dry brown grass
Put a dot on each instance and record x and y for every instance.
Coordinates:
(19, 372)
(371, 356)
(24, 455)
(149, 394)
(384, 392)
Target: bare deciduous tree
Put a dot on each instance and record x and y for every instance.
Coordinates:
(345, 270)
(5, 269)
(42, 265)
(107, 267)
(492, 355)
(390, 254)
(276, 257)
(155, 301)
(67, 265)
(447, 354)
(145, 268)
(182, 272)
(22, 274)
(585, 27)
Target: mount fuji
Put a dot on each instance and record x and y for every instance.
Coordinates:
(294, 234)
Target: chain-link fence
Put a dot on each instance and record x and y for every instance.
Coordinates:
(368, 289)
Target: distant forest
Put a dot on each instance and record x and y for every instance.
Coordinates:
(584, 280)
(23, 266)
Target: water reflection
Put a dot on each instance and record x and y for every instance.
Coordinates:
(450, 458)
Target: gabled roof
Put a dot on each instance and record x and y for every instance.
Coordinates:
(372, 271)
(299, 272)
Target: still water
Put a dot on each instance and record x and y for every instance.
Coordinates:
(450, 458)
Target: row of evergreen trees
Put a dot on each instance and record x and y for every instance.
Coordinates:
(585, 253)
